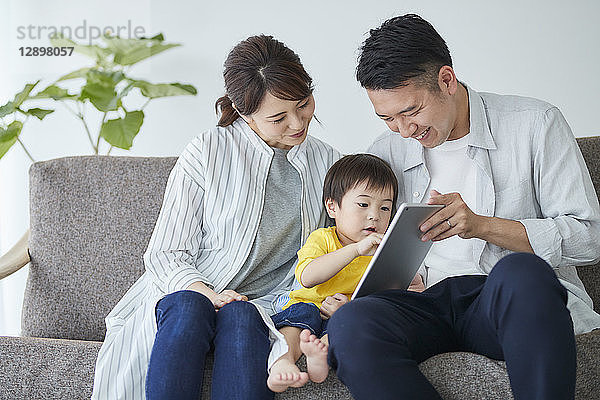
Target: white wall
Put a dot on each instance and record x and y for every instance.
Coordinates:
(543, 48)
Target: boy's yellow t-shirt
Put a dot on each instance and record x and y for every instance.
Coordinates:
(320, 242)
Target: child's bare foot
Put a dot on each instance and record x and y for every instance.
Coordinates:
(284, 374)
(316, 356)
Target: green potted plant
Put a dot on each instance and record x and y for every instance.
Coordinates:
(104, 85)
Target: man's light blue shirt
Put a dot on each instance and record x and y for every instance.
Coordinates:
(529, 169)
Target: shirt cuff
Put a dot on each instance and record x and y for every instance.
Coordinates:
(545, 240)
(183, 277)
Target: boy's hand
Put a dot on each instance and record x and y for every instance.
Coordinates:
(226, 297)
(368, 245)
(417, 284)
(331, 304)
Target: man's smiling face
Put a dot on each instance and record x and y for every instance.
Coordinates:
(416, 112)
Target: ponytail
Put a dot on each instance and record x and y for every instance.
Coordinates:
(228, 114)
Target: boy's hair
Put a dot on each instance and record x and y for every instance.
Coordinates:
(354, 169)
(405, 49)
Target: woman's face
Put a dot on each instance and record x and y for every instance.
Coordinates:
(282, 123)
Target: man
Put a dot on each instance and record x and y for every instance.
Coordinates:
(520, 213)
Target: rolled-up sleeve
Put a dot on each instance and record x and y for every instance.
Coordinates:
(176, 240)
(568, 231)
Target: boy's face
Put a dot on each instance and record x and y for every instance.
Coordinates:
(362, 212)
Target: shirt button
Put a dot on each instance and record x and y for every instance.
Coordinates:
(416, 194)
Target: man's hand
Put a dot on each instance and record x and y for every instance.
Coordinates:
(454, 219)
(226, 297)
(368, 245)
(331, 304)
(417, 284)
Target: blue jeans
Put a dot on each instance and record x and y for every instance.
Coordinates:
(303, 316)
(518, 314)
(188, 327)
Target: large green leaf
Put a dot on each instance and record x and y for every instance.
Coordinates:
(140, 53)
(80, 73)
(11, 132)
(39, 113)
(103, 97)
(120, 132)
(97, 52)
(54, 92)
(6, 109)
(104, 77)
(153, 90)
(23, 94)
(5, 146)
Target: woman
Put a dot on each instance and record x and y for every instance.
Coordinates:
(238, 203)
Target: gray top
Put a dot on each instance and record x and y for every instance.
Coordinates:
(278, 239)
(529, 169)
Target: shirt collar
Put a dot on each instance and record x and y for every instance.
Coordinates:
(242, 126)
(479, 128)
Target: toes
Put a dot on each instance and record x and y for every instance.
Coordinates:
(305, 335)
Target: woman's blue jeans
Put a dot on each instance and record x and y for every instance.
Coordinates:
(188, 327)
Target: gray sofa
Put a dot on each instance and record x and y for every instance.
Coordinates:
(91, 219)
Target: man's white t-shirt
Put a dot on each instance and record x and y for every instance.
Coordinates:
(451, 171)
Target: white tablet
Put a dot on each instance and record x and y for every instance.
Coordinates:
(400, 253)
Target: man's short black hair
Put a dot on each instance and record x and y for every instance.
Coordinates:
(355, 169)
(405, 49)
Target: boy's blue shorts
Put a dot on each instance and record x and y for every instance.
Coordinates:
(302, 315)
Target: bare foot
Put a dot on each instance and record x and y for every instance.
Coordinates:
(316, 356)
(284, 374)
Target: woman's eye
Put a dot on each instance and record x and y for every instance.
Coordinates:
(278, 120)
(303, 105)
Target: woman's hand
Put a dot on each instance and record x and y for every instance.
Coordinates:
(417, 284)
(226, 297)
(368, 245)
(331, 304)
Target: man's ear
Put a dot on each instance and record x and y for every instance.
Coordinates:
(331, 208)
(447, 80)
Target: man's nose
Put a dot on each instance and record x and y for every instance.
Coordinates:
(406, 129)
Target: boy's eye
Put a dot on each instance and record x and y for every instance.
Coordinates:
(362, 204)
(386, 209)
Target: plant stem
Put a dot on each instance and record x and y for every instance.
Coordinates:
(109, 150)
(87, 129)
(69, 108)
(80, 116)
(24, 148)
(98, 141)
(145, 104)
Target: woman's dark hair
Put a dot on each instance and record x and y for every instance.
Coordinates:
(355, 169)
(255, 66)
(402, 50)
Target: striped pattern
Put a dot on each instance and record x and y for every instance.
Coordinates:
(207, 225)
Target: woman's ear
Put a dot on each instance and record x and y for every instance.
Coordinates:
(331, 208)
(244, 117)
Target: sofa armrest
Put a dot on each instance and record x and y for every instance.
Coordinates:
(16, 258)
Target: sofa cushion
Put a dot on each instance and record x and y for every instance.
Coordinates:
(91, 221)
(40, 369)
(33, 368)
